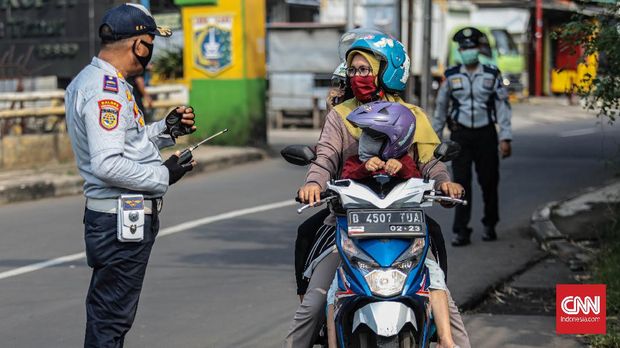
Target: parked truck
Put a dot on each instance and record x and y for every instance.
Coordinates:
(450, 16)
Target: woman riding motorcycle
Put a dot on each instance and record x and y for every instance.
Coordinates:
(377, 69)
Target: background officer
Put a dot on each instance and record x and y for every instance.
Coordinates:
(117, 153)
(471, 100)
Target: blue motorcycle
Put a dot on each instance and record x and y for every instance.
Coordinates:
(382, 238)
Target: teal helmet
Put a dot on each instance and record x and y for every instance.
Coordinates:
(393, 58)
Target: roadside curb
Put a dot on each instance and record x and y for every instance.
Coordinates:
(552, 240)
(46, 185)
(474, 301)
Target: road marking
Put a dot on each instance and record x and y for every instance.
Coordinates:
(224, 216)
(578, 132)
(41, 265)
(164, 232)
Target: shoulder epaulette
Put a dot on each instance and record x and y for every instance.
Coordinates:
(491, 69)
(110, 84)
(452, 70)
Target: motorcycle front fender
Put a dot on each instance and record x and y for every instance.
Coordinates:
(384, 318)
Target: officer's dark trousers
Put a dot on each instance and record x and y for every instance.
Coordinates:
(480, 147)
(118, 272)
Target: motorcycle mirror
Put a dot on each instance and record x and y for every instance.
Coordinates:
(447, 151)
(299, 155)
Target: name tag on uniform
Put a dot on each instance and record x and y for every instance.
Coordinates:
(130, 218)
(456, 83)
(488, 83)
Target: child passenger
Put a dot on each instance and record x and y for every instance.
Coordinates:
(387, 135)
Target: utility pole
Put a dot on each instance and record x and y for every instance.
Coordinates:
(410, 92)
(426, 56)
(91, 28)
(399, 19)
(350, 11)
(539, 48)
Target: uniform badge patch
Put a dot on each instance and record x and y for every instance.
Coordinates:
(129, 96)
(109, 110)
(110, 84)
(456, 83)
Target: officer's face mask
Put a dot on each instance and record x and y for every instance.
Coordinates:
(470, 56)
(369, 146)
(144, 61)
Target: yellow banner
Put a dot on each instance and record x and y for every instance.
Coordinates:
(224, 41)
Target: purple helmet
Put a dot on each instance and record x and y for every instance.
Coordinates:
(392, 121)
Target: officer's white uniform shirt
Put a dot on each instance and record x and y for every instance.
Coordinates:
(115, 151)
(472, 97)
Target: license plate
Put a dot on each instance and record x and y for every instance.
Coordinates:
(384, 223)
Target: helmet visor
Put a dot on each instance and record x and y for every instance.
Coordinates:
(350, 36)
(370, 145)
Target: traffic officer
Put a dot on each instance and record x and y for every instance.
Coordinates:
(118, 154)
(471, 100)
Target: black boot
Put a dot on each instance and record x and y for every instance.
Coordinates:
(489, 234)
(462, 237)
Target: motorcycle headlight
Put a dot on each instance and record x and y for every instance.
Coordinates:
(364, 266)
(386, 282)
(354, 254)
(411, 256)
(390, 281)
(381, 281)
(405, 266)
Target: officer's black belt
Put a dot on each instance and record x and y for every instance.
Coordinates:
(457, 127)
(110, 205)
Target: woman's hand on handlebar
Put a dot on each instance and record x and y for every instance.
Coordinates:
(452, 189)
(310, 193)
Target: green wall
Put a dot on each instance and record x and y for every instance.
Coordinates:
(238, 105)
(194, 2)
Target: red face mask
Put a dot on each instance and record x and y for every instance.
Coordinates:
(363, 87)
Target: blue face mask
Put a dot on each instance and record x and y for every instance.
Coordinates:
(470, 56)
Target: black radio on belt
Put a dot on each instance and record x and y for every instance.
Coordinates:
(175, 127)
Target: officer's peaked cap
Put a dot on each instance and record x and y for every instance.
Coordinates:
(468, 37)
(129, 20)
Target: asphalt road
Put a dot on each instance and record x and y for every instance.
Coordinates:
(222, 276)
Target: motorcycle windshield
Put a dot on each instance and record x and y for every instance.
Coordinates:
(382, 193)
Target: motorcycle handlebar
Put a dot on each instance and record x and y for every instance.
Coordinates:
(323, 200)
(446, 199)
(324, 195)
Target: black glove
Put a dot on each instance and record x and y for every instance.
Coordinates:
(175, 169)
(174, 127)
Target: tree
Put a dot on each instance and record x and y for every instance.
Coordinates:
(169, 64)
(598, 36)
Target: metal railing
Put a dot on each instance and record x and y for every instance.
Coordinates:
(44, 111)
